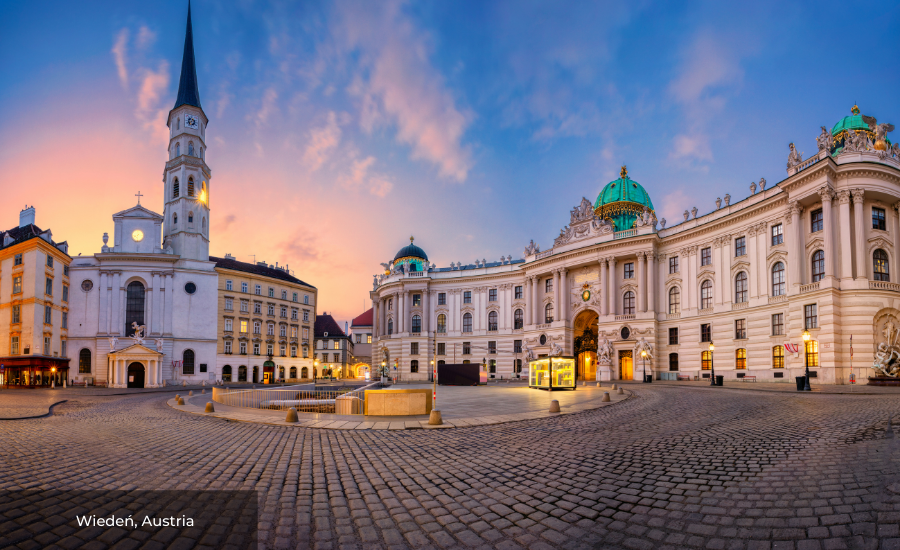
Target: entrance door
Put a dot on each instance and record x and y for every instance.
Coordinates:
(626, 366)
(255, 375)
(135, 375)
(266, 378)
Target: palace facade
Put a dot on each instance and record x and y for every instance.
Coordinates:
(777, 281)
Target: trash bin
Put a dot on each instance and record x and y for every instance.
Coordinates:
(720, 380)
(801, 382)
(648, 378)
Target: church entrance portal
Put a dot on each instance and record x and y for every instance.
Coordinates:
(626, 365)
(135, 375)
(585, 345)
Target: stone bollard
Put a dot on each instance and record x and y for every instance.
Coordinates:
(209, 407)
(184, 383)
(177, 397)
(598, 385)
(53, 384)
(435, 418)
(615, 386)
(554, 406)
(180, 401)
(190, 393)
(202, 391)
(605, 397)
(292, 415)
(64, 384)
(621, 392)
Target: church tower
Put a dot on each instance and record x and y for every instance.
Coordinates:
(186, 176)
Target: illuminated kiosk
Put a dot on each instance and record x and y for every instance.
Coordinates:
(563, 373)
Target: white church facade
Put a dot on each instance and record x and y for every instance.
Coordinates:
(759, 288)
(143, 309)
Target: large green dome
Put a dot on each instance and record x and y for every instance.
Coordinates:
(852, 122)
(622, 201)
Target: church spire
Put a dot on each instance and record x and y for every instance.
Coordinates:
(188, 93)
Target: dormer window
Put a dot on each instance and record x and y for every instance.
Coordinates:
(175, 188)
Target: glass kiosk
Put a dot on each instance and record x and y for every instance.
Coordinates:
(552, 373)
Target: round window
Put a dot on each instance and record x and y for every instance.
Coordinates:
(190, 288)
(626, 332)
(543, 339)
(87, 285)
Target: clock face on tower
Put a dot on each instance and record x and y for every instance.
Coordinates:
(190, 121)
(137, 235)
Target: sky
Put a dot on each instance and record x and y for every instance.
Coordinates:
(340, 129)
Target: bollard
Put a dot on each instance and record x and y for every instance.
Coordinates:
(53, 384)
(177, 397)
(621, 392)
(210, 408)
(889, 432)
(64, 384)
(184, 383)
(202, 391)
(554, 406)
(190, 393)
(292, 415)
(180, 401)
(615, 387)
(435, 418)
(598, 385)
(605, 397)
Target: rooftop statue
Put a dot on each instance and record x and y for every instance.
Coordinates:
(880, 130)
(532, 248)
(794, 158)
(825, 140)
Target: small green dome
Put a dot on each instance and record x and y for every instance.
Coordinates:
(622, 201)
(852, 122)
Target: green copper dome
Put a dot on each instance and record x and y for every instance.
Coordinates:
(852, 122)
(622, 201)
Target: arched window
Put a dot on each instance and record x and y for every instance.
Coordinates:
(740, 287)
(188, 358)
(416, 324)
(134, 306)
(242, 373)
(390, 326)
(414, 365)
(467, 322)
(548, 313)
(175, 218)
(178, 149)
(880, 265)
(628, 303)
(191, 148)
(818, 265)
(518, 319)
(191, 186)
(778, 357)
(674, 300)
(778, 279)
(281, 372)
(442, 323)
(226, 373)
(203, 225)
(293, 372)
(84, 361)
(304, 373)
(492, 320)
(740, 358)
(706, 294)
(673, 361)
(176, 188)
(705, 360)
(190, 217)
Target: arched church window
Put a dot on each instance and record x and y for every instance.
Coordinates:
(176, 188)
(190, 148)
(190, 217)
(178, 149)
(134, 306)
(201, 152)
(177, 123)
(191, 186)
(84, 361)
(175, 218)
(187, 366)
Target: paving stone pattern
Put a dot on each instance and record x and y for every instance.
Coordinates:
(671, 467)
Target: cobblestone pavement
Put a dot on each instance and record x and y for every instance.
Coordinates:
(26, 403)
(671, 467)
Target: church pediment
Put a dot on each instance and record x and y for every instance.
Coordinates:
(135, 350)
(137, 212)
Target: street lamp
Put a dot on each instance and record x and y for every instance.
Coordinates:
(806, 358)
(712, 365)
(315, 368)
(381, 374)
(644, 363)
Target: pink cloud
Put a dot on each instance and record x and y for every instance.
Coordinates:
(322, 141)
(119, 55)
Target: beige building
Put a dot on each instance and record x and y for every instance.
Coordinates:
(34, 305)
(265, 323)
(361, 336)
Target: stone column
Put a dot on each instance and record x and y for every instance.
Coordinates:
(151, 374)
(564, 294)
(426, 312)
(651, 283)
(169, 300)
(148, 311)
(827, 194)
(479, 309)
(535, 303)
(861, 255)
(795, 245)
(401, 318)
(752, 276)
(103, 292)
(116, 326)
(727, 284)
(604, 287)
(688, 283)
(717, 266)
(613, 287)
(846, 271)
(895, 234)
(376, 320)
(762, 252)
(528, 301)
(639, 302)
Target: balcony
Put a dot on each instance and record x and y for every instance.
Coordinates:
(625, 234)
(543, 254)
(739, 305)
(706, 311)
(811, 287)
(670, 316)
(776, 299)
(884, 285)
(631, 317)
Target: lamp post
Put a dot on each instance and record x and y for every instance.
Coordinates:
(381, 374)
(644, 363)
(315, 368)
(806, 358)
(52, 377)
(712, 365)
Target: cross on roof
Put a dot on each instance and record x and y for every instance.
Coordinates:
(139, 197)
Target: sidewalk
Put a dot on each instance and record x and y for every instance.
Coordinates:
(529, 406)
(856, 389)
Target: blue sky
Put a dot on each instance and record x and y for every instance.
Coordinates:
(339, 129)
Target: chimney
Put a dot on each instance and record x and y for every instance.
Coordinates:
(346, 330)
(228, 256)
(26, 217)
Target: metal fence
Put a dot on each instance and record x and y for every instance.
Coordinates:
(344, 400)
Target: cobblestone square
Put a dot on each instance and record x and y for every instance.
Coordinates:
(671, 467)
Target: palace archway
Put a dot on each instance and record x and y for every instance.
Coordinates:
(136, 375)
(585, 345)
